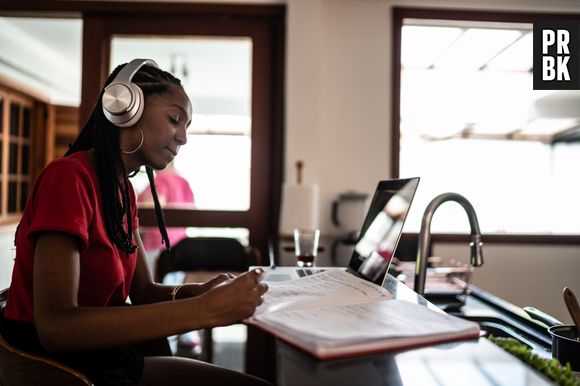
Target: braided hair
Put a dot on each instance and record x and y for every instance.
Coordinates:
(104, 137)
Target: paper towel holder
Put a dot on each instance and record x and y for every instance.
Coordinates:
(300, 202)
(299, 167)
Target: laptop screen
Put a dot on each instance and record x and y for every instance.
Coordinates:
(382, 228)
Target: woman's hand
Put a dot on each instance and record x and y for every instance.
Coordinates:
(235, 298)
(195, 289)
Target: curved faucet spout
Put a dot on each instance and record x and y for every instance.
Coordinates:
(425, 236)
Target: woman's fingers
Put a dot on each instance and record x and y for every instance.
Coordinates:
(238, 298)
(217, 280)
(255, 275)
(262, 288)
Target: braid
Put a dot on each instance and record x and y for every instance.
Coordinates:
(104, 137)
(126, 212)
(158, 212)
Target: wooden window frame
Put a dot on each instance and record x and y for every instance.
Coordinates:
(9, 97)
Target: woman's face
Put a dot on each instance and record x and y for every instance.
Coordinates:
(164, 123)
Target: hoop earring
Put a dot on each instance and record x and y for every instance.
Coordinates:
(138, 146)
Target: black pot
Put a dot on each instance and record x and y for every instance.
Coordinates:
(566, 345)
(565, 338)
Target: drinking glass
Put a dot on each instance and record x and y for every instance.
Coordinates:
(306, 246)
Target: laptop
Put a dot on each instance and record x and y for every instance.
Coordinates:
(379, 236)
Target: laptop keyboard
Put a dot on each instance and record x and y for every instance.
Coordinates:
(307, 271)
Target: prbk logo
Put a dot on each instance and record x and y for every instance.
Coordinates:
(557, 55)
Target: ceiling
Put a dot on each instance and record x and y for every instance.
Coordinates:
(474, 48)
(45, 55)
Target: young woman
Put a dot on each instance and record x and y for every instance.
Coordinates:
(79, 255)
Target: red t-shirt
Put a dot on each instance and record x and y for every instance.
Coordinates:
(66, 197)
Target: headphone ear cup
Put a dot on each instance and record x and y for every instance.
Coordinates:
(133, 115)
(123, 103)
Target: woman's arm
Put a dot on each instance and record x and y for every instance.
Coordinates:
(63, 325)
(144, 290)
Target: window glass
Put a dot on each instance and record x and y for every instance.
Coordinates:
(12, 196)
(13, 159)
(472, 124)
(26, 122)
(216, 74)
(14, 119)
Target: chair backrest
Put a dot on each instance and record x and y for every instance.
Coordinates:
(208, 254)
(18, 367)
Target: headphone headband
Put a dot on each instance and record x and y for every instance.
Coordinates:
(131, 68)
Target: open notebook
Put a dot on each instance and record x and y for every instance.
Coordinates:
(380, 235)
(335, 314)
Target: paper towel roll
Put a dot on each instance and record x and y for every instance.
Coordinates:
(299, 208)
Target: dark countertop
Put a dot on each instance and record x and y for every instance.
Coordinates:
(467, 363)
(473, 362)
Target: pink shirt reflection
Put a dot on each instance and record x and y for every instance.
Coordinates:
(172, 189)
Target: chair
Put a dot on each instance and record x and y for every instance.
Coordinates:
(216, 254)
(18, 367)
(219, 254)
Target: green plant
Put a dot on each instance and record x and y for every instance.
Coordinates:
(551, 368)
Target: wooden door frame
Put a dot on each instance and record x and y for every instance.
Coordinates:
(261, 218)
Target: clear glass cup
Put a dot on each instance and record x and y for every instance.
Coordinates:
(306, 246)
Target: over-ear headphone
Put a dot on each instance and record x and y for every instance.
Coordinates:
(123, 100)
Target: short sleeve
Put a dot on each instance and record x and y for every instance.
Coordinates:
(64, 200)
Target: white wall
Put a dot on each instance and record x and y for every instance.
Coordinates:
(338, 95)
(525, 275)
(7, 254)
(338, 120)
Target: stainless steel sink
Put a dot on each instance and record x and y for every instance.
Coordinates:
(502, 319)
(499, 328)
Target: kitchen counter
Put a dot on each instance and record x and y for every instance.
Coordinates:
(473, 362)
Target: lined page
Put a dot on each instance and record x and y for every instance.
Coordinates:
(370, 320)
(330, 287)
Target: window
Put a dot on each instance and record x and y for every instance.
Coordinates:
(216, 162)
(216, 75)
(15, 153)
(236, 52)
(471, 123)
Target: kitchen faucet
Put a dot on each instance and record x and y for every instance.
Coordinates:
(425, 236)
